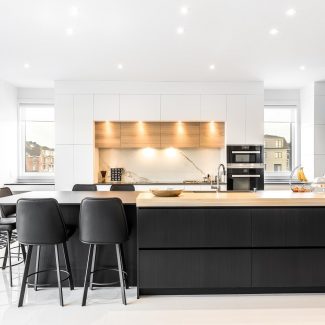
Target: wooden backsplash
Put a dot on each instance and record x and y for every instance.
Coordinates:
(159, 134)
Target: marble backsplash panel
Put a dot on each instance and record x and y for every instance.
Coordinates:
(164, 165)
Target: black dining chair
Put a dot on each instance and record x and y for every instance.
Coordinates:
(40, 222)
(102, 221)
(7, 234)
(84, 187)
(122, 187)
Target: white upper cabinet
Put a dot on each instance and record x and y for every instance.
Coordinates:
(255, 119)
(236, 119)
(140, 107)
(64, 119)
(83, 119)
(213, 108)
(106, 108)
(180, 107)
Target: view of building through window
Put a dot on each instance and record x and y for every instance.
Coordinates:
(37, 139)
(279, 139)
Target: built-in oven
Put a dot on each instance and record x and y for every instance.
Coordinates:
(245, 179)
(245, 154)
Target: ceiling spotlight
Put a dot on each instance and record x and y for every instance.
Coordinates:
(273, 31)
(120, 66)
(184, 10)
(291, 12)
(69, 31)
(74, 11)
(26, 65)
(180, 30)
(212, 67)
(302, 68)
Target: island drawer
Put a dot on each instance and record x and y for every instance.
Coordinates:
(281, 268)
(212, 268)
(288, 227)
(193, 227)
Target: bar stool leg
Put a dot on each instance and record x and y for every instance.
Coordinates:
(58, 273)
(93, 267)
(38, 252)
(125, 277)
(23, 250)
(18, 258)
(120, 271)
(23, 285)
(4, 263)
(87, 276)
(9, 255)
(67, 263)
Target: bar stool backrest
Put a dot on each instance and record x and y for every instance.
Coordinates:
(40, 222)
(102, 221)
(122, 187)
(84, 187)
(6, 210)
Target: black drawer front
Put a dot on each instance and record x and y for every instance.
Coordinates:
(188, 227)
(213, 268)
(288, 267)
(288, 227)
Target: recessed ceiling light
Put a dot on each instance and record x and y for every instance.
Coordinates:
(69, 31)
(26, 65)
(180, 30)
(184, 10)
(302, 68)
(291, 12)
(212, 67)
(74, 11)
(273, 31)
(120, 66)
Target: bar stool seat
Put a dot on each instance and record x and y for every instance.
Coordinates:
(7, 224)
(102, 221)
(40, 222)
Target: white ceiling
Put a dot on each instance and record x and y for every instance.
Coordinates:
(141, 34)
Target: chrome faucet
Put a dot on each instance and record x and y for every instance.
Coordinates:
(218, 177)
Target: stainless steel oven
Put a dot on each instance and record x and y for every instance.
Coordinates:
(245, 179)
(245, 154)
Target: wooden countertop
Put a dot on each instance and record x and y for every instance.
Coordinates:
(233, 199)
(70, 197)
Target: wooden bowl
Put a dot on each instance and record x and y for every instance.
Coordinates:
(166, 193)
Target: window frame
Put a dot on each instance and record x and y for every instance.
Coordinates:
(295, 139)
(22, 174)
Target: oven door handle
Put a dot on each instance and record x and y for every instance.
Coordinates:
(245, 176)
(243, 152)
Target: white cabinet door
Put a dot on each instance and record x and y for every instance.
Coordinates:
(64, 167)
(236, 119)
(83, 157)
(213, 108)
(64, 119)
(106, 107)
(83, 119)
(180, 107)
(255, 119)
(140, 107)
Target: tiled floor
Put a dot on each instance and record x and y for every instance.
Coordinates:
(105, 307)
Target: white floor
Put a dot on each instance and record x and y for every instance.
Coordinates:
(105, 307)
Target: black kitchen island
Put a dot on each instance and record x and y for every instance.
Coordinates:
(200, 243)
(78, 252)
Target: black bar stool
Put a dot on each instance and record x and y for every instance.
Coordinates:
(7, 226)
(84, 187)
(122, 187)
(40, 222)
(103, 222)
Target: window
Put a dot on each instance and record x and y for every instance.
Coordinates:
(36, 159)
(279, 141)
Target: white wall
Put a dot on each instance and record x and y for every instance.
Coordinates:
(36, 95)
(78, 104)
(8, 132)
